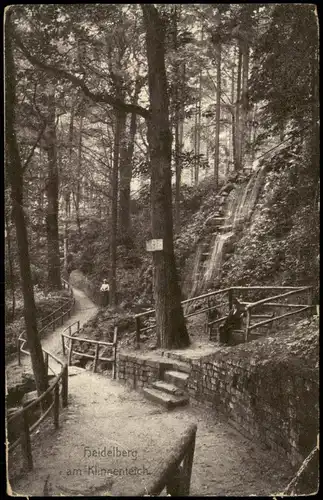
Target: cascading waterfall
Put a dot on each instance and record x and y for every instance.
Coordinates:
(214, 265)
(196, 266)
(258, 182)
(239, 210)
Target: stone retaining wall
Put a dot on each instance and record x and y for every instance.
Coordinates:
(272, 400)
(274, 403)
(137, 370)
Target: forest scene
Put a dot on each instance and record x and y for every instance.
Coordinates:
(162, 258)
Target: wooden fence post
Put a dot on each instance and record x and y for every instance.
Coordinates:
(247, 325)
(56, 406)
(70, 352)
(26, 444)
(208, 331)
(174, 484)
(115, 340)
(78, 326)
(18, 351)
(96, 357)
(137, 332)
(230, 297)
(187, 468)
(63, 344)
(65, 386)
(46, 362)
(310, 301)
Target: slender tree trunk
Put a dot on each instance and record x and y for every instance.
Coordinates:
(171, 328)
(67, 195)
(233, 125)
(15, 176)
(217, 117)
(118, 137)
(237, 125)
(245, 100)
(40, 201)
(315, 143)
(177, 170)
(11, 272)
(79, 177)
(54, 273)
(126, 170)
(195, 171)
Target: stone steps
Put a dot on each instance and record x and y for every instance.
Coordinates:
(170, 392)
(165, 399)
(160, 385)
(180, 366)
(177, 378)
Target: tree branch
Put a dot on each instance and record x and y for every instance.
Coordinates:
(96, 97)
(29, 157)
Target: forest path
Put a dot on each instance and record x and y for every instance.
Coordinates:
(84, 310)
(103, 414)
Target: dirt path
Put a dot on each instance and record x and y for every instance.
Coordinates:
(84, 310)
(103, 414)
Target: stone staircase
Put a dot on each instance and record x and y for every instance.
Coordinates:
(170, 390)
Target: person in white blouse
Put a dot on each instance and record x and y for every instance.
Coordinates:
(105, 286)
(105, 293)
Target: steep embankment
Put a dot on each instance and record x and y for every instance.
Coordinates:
(260, 227)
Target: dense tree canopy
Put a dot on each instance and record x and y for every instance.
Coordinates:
(104, 105)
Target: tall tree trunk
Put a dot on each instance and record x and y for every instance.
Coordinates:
(177, 171)
(178, 97)
(237, 125)
(315, 129)
(15, 176)
(11, 272)
(170, 323)
(118, 138)
(195, 172)
(245, 100)
(67, 194)
(79, 175)
(198, 131)
(233, 123)
(126, 170)
(54, 273)
(217, 117)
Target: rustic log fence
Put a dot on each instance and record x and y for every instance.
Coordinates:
(222, 300)
(72, 339)
(53, 320)
(58, 387)
(49, 400)
(174, 473)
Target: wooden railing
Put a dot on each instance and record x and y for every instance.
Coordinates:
(222, 301)
(98, 344)
(174, 473)
(51, 398)
(269, 302)
(53, 320)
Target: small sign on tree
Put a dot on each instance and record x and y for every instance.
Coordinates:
(154, 245)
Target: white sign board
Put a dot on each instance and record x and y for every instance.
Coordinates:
(154, 245)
